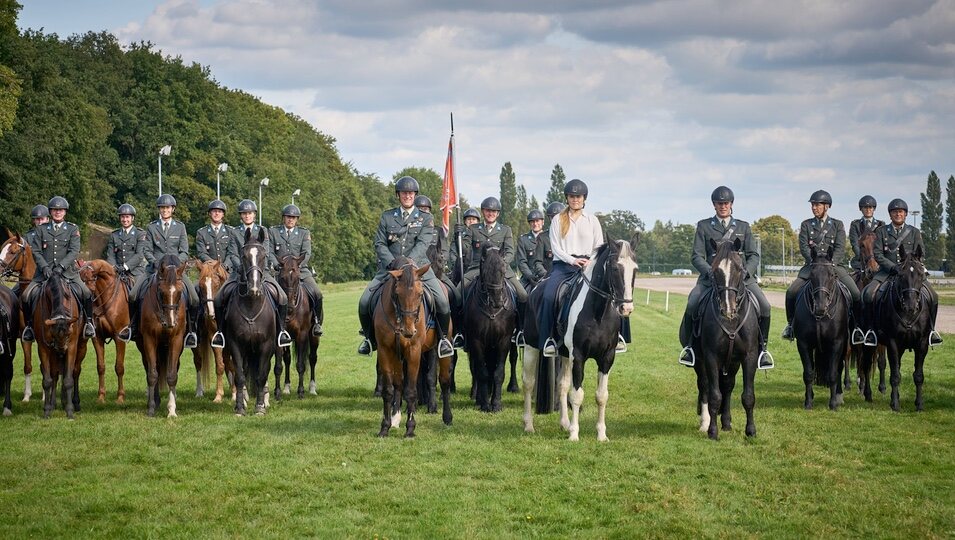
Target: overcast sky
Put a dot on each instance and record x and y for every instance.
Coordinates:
(653, 104)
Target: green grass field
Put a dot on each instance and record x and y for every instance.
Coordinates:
(314, 467)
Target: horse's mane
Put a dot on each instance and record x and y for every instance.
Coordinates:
(490, 257)
(167, 268)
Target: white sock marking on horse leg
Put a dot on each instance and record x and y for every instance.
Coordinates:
(529, 380)
(200, 391)
(396, 420)
(171, 407)
(603, 394)
(576, 399)
(705, 417)
(575, 309)
(563, 389)
(288, 388)
(27, 387)
(311, 388)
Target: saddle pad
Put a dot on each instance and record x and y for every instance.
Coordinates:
(566, 292)
(429, 309)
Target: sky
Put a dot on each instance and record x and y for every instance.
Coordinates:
(652, 103)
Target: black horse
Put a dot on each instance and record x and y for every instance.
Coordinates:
(249, 325)
(728, 339)
(902, 320)
(821, 328)
(9, 333)
(490, 316)
(596, 306)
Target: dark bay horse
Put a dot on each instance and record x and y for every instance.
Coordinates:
(16, 260)
(857, 353)
(490, 316)
(212, 275)
(596, 306)
(9, 334)
(902, 320)
(299, 326)
(402, 334)
(821, 328)
(162, 331)
(728, 339)
(58, 326)
(249, 325)
(111, 314)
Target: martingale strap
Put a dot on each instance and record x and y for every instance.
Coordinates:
(728, 234)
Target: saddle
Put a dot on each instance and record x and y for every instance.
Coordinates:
(566, 291)
(707, 300)
(429, 305)
(229, 287)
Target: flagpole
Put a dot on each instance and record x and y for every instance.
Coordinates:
(454, 167)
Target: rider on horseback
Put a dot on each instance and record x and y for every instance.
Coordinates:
(55, 246)
(164, 236)
(860, 226)
(40, 214)
(406, 231)
(822, 232)
(528, 262)
(545, 254)
(126, 248)
(723, 227)
(290, 240)
(888, 239)
(212, 240)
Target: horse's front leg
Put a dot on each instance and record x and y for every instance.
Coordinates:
(576, 397)
(702, 399)
(895, 375)
(498, 379)
(220, 371)
(603, 396)
(808, 373)
(172, 375)
(512, 382)
(283, 353)
(835, 379)
(99, 347)
(387, 397)
(312, 361)
(262, 381)
(120, 367)
(238, 381)
(301, 362)
(727, 385)
(563, 390)
(529, 382)
(918, 375)
(411, 389)
(444, 377)
(715, 397)
(749, 392)
(49, 386)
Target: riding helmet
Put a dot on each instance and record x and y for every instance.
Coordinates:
(166, 200)
(58, 203)
(39, 211)
(406, 183)
(554, 208)
(422, 200)
(822, 196)
(246, 205)
(575, 187)
(867, 200)
(291, 210)
(722, 194)
(898, 204)
(534, 214)
(216, 205)
(470, 212)
(491, 203)
(126, 209)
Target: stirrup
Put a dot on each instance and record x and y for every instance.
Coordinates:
(550, 348)
(687, 357)
(858, 338)
(621, 344)
(520, 338)
(28, 335)
(870, 339)
(284, 339)
(218, 340)
(765, 361)
(89, 330)
(317, 330)
(445, 350)
(365, 348)
(458, 342)
(190, 342)
(788, 332)
(126, 334)
(934, 338)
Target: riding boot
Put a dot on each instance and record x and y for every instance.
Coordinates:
(192, 340)
(790, 310)
(855, 318)
(317, 313)
(129, 333)
(88, 329)
(687, 355)
(284, 339)
(28, 319)
(218, 338)
(765, 360)
(519, 329)
(934, 338)
(445, 349)
(366, 330)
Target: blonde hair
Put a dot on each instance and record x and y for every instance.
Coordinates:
(565, 221)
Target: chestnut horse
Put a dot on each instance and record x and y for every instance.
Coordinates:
(857, 352)
(58, 326)
(162, 330)
(9, 333)
(299, 325)
(402, 334)
(16, 259)
(212, 275)
(111, 314)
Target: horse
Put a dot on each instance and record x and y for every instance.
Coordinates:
(162, 331)
(212, 275)
(299, 326)
(821, 328)
(490, 315)
(902, 320)
(728, 339)
(402, 334)
(16, 259)
(58, 326)
(111, 313)
(9, 333)
(249, 325)
(603, 294)
(857, 352)
(428, 371)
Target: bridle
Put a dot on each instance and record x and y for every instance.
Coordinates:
(611, 292)
(828, 291)
(99, 307)
(900, 292)
(489, 308)
(739, 289)
(400, 314)
(9, 269)
(174, 307)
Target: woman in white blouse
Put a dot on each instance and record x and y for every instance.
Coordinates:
(575, 236)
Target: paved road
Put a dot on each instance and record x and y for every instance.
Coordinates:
(945, 322)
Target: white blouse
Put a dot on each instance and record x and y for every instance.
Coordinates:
(584, 236)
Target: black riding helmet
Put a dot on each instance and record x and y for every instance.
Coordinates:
(491, 203)
(534, 214)
(575, 187)
(291, 210)
(898, 204)
(58, 203)
(470, 212)
(822, 196)
(406, 183)
(126, 209)
(722, 194)
(39, 211)
(867, 201)
(554, 208)
(422, 200)
(165, 200)
(247, 205)
(216, 205)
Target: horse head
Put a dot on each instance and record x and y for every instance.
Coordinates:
(624, 277)
(910, 280)
(407, 298)
(211, 277)
(169, 289)
(253, 261)
(61, 315)
(13, 254)
(729, 275)
(492, 276)
(823, 286)
(866, 253)
(290, 275)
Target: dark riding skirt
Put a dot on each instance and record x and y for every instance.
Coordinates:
(546, 318)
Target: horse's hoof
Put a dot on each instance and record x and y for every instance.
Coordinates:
(172, 415)
(101, 399)
(200, 393)
(218, 399)
(7, 412)
(573, 437)
(513, 389)
(26, 399)
(410, 435)
(150, 414)
(120, 400)
(383, 433)
(603, 439)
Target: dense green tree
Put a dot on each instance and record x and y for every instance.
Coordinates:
(508, 196)
(950, 222)
(557, 181)
(775, 232)
(428, 179)
(620, 224)
(932, 222)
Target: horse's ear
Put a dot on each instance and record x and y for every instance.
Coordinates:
(300, 259)
(829, 253)
(395, 273)
(737, 244)
(918, 252)
(635, 241)
(901, 252)
(421, 271)
(713, 244)
(812, 253)
(261, 234)
(248, 235)
(608, 239)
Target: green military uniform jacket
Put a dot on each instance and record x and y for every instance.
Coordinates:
(175, 242)
(408, 237)
(465, 250)
(56, 249)
(298, 242)
(213, 246)
(528, 261)
(886, 246)
(822, 235)
(496, 235)
(712, 229)
(237, 243)
(857, 228)
(127, 250)
(545, 255)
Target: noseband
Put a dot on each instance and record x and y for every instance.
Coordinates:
(829, 292)
(8, 269)
(400, 314)
(166, 323)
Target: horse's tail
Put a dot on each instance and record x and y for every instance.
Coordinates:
(205, 368)
(161, 362)
(546, 378)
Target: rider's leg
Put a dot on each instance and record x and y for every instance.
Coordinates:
(765, 360)
(443, 315)
(857, 335)
(86, 301)
(365, 316)
(315, 295)
(192, 300)
(29, 303)
(934, 337)
(129, 333)
(687, 354)
(791, 294)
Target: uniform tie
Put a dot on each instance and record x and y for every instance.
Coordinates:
(215, 230)
(56, 227)
(165, 227)
(725, 222)
(405, 214)
(288, 232)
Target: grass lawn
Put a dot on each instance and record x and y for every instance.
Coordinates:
(314, 467)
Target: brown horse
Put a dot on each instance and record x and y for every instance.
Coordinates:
(111, 314)
(299, 325)
(162, 330)
(856, 353)
(58, 326)
(402, 335)
(212, 275)
(16, 259)
(9, 333)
